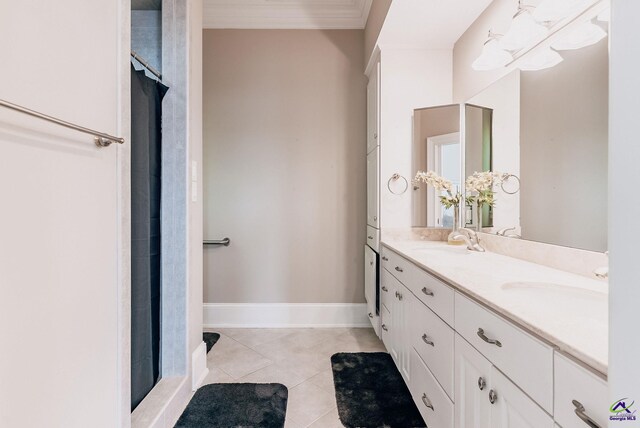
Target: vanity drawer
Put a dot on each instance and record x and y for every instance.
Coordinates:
(523, 358)
(431, 291)
(433, 340)
(388, 288)
(373, 238)
(573, 382)
(431, 400)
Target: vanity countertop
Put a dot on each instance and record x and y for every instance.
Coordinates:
(567, 310)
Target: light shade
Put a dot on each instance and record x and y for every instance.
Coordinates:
(492, 57)
(585, 34)
(555, 10)
(546, 58)
(524, 31)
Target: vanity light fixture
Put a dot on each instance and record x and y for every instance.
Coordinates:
(492, 56)
(585, 34)
(555, 10)
(524, 30)
(545, 58)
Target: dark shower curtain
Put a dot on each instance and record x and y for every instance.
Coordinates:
(146, 118)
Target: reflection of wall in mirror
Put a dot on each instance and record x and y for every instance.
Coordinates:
(564, 139)
(503, 97)
(428, 123)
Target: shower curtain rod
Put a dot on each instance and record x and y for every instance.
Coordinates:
(146, 65)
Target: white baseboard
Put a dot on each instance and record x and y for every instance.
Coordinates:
(199, 368)
(285, 315)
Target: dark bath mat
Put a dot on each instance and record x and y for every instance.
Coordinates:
(236, 405)
(370, 392)
(210, 339)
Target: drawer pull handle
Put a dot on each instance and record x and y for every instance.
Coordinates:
(384, 327)
(398, 269)
(427, 402)
(580, 411)
(427, 341)
(385, 258)
(426, 291)
(370, 315)
(482, 336)
(385, 289)
(493, 396)
(369, 237)
(481, 383)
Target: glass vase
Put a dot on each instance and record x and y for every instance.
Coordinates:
(456, 228)
(479, 217)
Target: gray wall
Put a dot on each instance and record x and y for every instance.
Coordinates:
(284, 165)
(563, 150)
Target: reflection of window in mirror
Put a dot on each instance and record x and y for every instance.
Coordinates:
(444, 158)
(478, 155)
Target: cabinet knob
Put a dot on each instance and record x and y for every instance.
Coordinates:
(493, 396)
(426, 291)
(375, 135)
(399, 269)
(385, 258)
(426, 340)
(371, 263)
(384, 327)
(370, 315)
(375, 218)
(481, 383)
(427, 402)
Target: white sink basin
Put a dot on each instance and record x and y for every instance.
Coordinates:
(553, 291)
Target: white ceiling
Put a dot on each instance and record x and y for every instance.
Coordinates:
(286, 14)
(436, 24)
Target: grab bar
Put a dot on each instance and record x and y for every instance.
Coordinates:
(100, 138)
(225, 242)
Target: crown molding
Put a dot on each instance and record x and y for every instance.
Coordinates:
(286, 14)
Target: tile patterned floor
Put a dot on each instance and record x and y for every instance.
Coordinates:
(297, 358)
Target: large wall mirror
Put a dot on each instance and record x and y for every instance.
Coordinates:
(546, 133)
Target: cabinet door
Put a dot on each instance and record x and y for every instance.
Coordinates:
(373, 188)
(373, 108)
(512, 408)
(472, 386)
(370, 286)
(402, 333)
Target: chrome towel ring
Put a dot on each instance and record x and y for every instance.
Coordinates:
(396, 177)
(506, 178)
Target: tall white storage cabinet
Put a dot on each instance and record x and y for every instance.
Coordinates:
(372, 271)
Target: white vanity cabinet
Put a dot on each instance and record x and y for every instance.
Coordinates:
(468, 367)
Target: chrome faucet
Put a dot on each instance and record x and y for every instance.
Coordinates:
(503, 232)
(471, 239)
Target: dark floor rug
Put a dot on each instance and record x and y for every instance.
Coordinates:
(210, 339)
(370, 392)
(236, 405)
